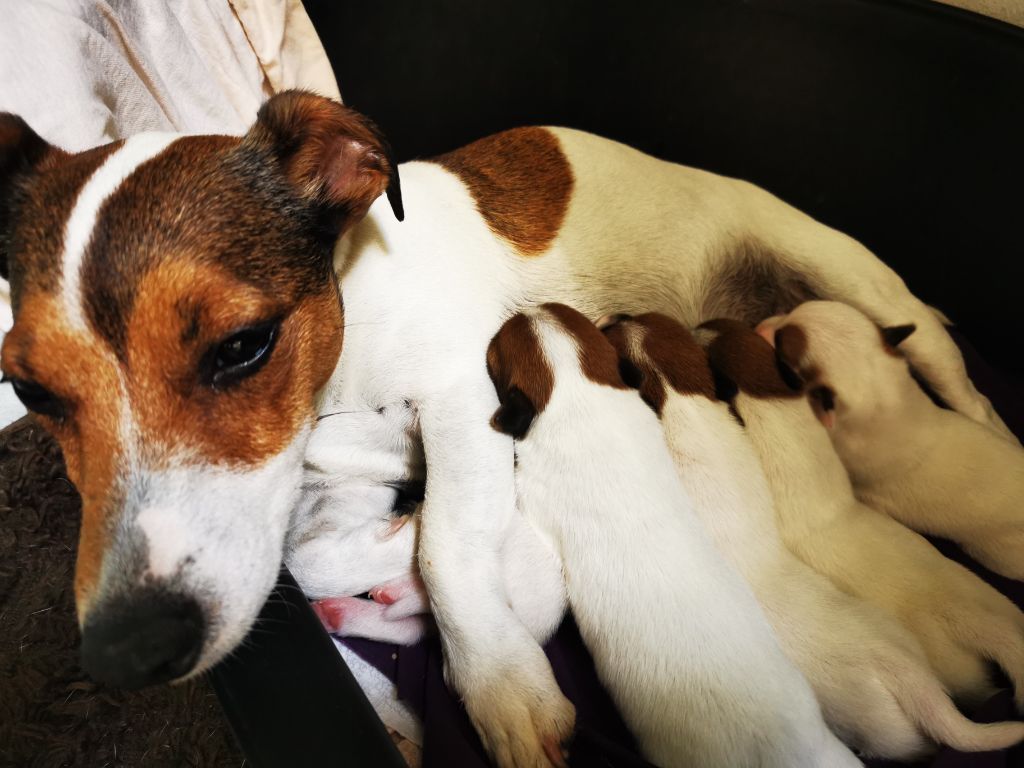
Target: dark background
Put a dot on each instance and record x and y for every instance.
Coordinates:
(899, 122)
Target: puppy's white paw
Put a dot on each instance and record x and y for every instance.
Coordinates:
(523, 719)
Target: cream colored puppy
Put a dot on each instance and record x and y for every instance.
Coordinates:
(676, 635)
(960, 620)
(869, 673)
(928, 467)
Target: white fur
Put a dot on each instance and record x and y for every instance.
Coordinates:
(210, 532)
(101, 185)
(423, 297)
(959, 620)
(932, 469)
(869, 673)
(676, 635)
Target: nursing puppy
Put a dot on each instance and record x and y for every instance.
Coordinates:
(328, 558)
(869, 673)
(928, 467)
(676, 636)
(961, 621)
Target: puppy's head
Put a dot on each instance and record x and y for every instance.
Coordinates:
(657, 353)
(742, 361)
(844, 360)
(176, 315)
(532, 350)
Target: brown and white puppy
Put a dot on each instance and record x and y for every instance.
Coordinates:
(178, 327)
(962, 622)
(676, 635)
(928, 467)
(869, 673)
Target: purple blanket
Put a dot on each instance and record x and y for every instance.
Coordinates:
(602, 740)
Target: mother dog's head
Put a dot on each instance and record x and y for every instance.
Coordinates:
(175, 317)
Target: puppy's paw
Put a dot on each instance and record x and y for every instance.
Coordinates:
(523, 720)
(355, 617)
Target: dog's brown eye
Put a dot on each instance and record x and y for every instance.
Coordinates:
(239, 355)
(38, 399)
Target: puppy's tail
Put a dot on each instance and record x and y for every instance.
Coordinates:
(925, 701)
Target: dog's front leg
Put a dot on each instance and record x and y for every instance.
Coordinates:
(492, 661)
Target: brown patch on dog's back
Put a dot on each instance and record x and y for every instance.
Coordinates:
(515, 360)
(747, 360)
(598, 359)
(521, 182)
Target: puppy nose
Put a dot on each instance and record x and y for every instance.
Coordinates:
(147, 638)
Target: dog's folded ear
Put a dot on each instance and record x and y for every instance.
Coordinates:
(332, 155)
(21, 151)
(515, 414)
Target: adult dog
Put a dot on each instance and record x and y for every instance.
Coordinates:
(178, 327)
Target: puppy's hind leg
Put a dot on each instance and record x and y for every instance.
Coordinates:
(837, 267)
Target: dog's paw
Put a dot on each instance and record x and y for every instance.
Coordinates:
(523, 721)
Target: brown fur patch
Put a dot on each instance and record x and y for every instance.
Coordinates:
(204, 200)
(676, 355)
(84, 376)
(791, 346)
(521, 182)
(330, 153)
(744, 358)
(515, 359)
(246, 423)
(649, 383)
(41, 207)
(598, 359)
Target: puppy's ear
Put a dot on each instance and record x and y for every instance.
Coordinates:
(823, 401)
(790, 346)
(332, 155)
(631, 376)
(21, 151)
(895, 335)
(515, 414)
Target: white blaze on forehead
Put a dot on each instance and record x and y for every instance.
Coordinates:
(101, 185)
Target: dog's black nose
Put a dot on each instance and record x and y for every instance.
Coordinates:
(150, 637)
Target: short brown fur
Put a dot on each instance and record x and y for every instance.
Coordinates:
(746, 359)
(676, 355)
(515, 359)
(598, 359)
(521, 182)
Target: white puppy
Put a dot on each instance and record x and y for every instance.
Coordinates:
(961, 621)
(356, 541)
(676, 635)
(869, 673)
(928, 467)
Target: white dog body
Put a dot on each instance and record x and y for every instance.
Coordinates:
(868, 672)
(676, 635)
(928, 467)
